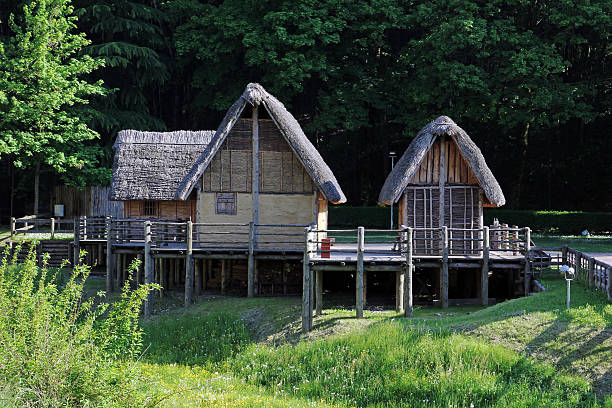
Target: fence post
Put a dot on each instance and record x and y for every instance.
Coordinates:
(306, 277)
(564, 255)
(109, 256)
(359, 275)
(52, 228)
(12, 227)
(484, 272)
(444, 270)
(409, 268)
(578, 261)
(609, 279)
(76, 246)
(251, 262)
(591, 272)
(527, 271)
(148, 266)
(189, 265)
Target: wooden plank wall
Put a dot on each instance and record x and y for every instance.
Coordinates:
(174, 209)
(90, 201)
(457, 169)
(281, 171)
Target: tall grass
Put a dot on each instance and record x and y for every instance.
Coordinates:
(58, 349)
(390, 366)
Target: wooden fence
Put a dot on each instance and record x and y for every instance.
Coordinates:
(593, 272)
(33, 225)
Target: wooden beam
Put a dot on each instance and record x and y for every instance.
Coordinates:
(409, 268)
(251, 262)
(591, 272)
(484, 272)
(76, 246)
(197, 264)
(255, 173)
(109, 257)
(223, 276)
(359, 274)
(189, 265)
(319, 292)
(399, 291)
(306, 277)
(527, 270)
(442, 181)
(148, 266)
(444, 270)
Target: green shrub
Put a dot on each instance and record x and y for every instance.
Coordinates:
(393, 367)
(61, 350)
(557, 222)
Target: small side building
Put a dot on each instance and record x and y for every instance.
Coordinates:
(442, 179)
(148, 168)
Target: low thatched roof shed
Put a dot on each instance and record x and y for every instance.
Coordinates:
(151, 165)
(409, 164)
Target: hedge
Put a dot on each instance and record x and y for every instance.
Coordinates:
(556, 222)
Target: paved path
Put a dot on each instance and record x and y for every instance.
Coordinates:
(602, 256)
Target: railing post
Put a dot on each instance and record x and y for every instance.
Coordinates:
(306, 278)
(76, 246)
(484, 272)
(52, 228)
(359, 275)
(444, 270)
(527, 271)
(251, 262)
(84, 227)
(609, 279)
(109, 256)
(148, 266)
(408, 271)
(12, 227)
(564, 255)
(591, 272)
(189, 265)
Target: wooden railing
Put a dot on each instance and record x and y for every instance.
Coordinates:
(592, 271)
(33, 225)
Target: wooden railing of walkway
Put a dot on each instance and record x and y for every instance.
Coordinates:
(31, 224)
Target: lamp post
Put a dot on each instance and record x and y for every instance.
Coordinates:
(568, 274)
(392, 155)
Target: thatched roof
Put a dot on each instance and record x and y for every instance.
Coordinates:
(289, 127)
(415, 153)
(151, 165)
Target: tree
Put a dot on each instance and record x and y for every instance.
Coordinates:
(42, 91)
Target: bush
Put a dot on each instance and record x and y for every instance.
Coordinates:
(61, 350)
(557, 222)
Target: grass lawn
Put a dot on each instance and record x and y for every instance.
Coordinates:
(242, 352)
(590, 244)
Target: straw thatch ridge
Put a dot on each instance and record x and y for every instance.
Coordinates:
(151, 165)
(402, 173)
(289, 127)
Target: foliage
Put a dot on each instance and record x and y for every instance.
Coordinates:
(59, 349)
(196, 339)
(41, 89)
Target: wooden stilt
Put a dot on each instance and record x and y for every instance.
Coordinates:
(189, 265)
(319, 292)
(148, 266)
(408, 271)
(359, 274)
(306, 277)
(109, 257)
(162, 264)
(223, 276)
(444, 270)
(198, 276)
(399, 291)
(286, 271)
(207, 265)
(527, 272)
(484, 271)
(251, 262)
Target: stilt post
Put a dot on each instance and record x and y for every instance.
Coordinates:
(484, 271)
(148, 266)
(527, 270)
(109, 256)
(306, 307)
(359, 274)
(189, 265)
(251, 262)
(319, 291)
(76, 246)
(444, 270)
(52, 228)
(408, 272)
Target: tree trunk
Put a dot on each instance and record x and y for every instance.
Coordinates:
(36, 187)
(521, 168)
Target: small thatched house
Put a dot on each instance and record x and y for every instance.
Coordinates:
(260, 167)
(148, 168)
(442, 165)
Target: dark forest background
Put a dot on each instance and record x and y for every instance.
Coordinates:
(530, 81)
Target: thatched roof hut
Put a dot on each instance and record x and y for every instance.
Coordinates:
(409, 163)
(151, 165)
(290, 129)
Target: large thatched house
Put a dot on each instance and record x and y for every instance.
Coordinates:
(257, 167)
(442, 165)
